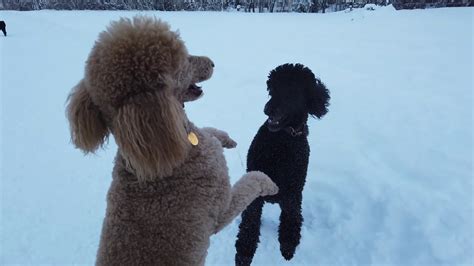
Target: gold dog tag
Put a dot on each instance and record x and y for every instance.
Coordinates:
(193, 139)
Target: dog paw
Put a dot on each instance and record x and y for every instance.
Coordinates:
(268, 187)
(287, 250)
(222, 136)
(242, 261)
(228, 143)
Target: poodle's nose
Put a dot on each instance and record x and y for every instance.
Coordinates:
(212, 64)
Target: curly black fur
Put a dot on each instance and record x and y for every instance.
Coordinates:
(280, 149)
(3, 27)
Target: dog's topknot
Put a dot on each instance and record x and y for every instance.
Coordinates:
(133, 56)
(297, 77)
(289, 74)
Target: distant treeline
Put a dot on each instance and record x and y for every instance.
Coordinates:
(420, 4)
(309, 6)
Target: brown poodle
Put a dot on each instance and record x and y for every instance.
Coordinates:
(170, 190)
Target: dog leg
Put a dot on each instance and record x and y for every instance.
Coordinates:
(251, 186)
(222, 136)
(249, 233)
(291, 220)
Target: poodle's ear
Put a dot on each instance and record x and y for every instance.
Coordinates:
(88, 129)
(318, 99)
(150, 131)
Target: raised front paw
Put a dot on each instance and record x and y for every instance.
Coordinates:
(268, 187)
(228, 143)
(222, 136)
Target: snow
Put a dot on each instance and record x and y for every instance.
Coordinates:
(390, 177)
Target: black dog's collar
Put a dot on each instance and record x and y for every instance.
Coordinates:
(299, 131)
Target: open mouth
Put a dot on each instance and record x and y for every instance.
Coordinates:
(275, 124)
(195, 90)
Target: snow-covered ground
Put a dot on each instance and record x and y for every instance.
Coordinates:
(390, 178)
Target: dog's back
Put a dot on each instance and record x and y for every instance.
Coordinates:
(165, 222)
(283, 157)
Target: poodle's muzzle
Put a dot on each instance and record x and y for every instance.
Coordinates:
(203, 68)
(277, 120)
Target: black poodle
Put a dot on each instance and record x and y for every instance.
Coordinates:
(3, 27)
(281, 150)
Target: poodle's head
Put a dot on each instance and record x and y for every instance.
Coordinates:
(137, 78)
(294, 93)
